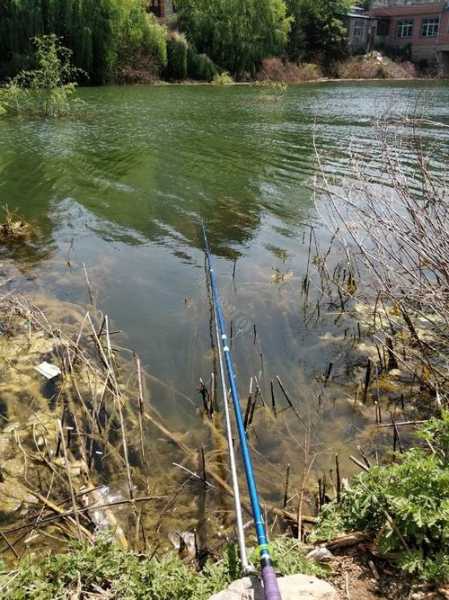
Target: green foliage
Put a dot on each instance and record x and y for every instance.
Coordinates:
(46, 90)
(177, 49)
(318, 33)
(406, 505)
(127, 576)
(138, 34)
(222, 79)
(289, 558)
(102, 34)
(200, 66)
(235, 34)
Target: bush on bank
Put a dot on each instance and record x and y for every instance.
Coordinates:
(275, 69)
(405, 506)
(200, 66)
(177, 50)
(375, 66)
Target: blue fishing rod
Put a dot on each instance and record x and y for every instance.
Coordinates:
(270, 584)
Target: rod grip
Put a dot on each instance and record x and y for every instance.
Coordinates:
(270, 584)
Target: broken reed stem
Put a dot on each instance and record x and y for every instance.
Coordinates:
(290, 403)
(328, 373)
(79, 510)
(337, 471)
(207, 404)
(359, 464)
(118, 402)
(286, 487)
(299, 512)
(10, 546)
(363, 455)
(203, 466)
(141, 404)
(69, 477)
(249, 405)
(258, 393)
(273, 400)
(367, 381)
(89, 287)
(396, 437)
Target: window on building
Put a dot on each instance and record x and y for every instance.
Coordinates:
(358, 29)
(430, 26)
(405, 28)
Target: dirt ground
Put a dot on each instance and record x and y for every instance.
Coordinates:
(358, 575)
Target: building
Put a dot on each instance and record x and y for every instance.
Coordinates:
(421, 26)
(361, 30)
(162, 8)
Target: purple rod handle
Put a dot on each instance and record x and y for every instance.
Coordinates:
(270, 584)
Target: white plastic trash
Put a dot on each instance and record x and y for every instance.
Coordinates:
(48, 370)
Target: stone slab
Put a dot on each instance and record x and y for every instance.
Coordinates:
(293, 587)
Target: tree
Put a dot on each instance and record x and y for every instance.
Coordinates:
(319, 32)
(102, 34)
(235, 34)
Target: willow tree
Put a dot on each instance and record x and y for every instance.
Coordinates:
(100, 33)
(235, 34)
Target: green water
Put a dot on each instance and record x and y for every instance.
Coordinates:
(123, 188)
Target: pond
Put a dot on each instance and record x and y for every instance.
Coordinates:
(124, 188)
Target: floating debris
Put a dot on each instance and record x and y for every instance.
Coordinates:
(48, 370)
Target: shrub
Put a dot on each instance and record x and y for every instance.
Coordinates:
(274, 69)
(200, 66)
(176, 57)
(375, 66)
(222, 79)
(405, 505)
(142, 47)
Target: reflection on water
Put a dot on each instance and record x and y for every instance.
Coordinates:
(124, 188)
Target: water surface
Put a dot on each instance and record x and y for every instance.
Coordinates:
(123, 189)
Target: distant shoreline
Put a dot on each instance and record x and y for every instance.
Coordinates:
(268, 83)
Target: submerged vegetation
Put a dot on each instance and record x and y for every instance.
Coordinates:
(393, 280)
(14, 229)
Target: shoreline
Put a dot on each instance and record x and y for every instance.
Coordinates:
(267, 82)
